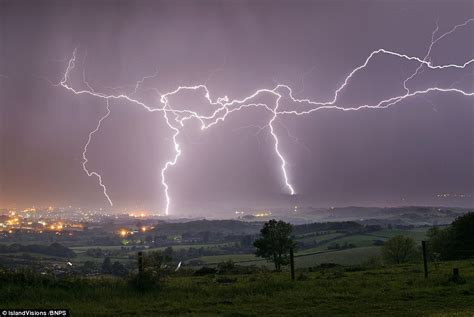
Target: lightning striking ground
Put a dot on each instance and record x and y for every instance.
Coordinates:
(176, 119)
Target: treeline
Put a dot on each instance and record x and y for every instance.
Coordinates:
(54, 249)
(454, 242)
(197, 226)
(344, 226)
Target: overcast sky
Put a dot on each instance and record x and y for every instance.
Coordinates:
(403, 155)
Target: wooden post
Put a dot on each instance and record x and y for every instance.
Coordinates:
(140, 262)
(292, 264)
(425, 260)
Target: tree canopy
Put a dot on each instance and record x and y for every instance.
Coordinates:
(399, 249)
(275, 242)
(455, 241)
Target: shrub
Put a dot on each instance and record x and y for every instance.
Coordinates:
(205, 271)
(226, 267)
(399, 249)
(454, 242)
(373, 262)
(146, 281)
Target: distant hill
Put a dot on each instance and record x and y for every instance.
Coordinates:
(221, 226)
(409, 215)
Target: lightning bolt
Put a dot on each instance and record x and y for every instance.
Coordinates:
(176, 156)
(277, 150)
(223, 107)
(84, 154)
(433, 42)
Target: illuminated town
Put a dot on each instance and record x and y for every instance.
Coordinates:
(66, 220)
(70, 220)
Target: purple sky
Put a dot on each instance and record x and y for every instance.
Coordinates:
(421, 147)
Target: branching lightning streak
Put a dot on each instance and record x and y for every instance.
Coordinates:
(433, 42)
(176, 156)
(424, 59)
(277, 150)
(84, 154)
(176, 119)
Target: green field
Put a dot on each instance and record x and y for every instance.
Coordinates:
(323, 237)
(304, 259)
(344, 257)
(175, 247)
(392, 291)
(417, 234)
(363, 251)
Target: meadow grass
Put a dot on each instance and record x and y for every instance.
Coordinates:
(392, 291)
(305, 258)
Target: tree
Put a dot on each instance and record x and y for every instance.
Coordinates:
(107, 266)
(454, 242)
(275, 242)
(156, 260)
(205, 235)
(89, 267)
(118, 269)
(440, 243)
(168, 252)
(246, 241)
(399, 249)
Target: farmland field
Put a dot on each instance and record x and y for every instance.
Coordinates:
(401, 291)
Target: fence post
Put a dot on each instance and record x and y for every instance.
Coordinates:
(425, 260)
(292, 264)
(140, 262)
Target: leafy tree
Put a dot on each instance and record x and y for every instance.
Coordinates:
(226, 266)
(54, 249)
(399, 249)
(156, 260)
(89, 267)
(107, 266)
(246, 241)
(275, 242)
(60, 250)
(454, 242)
(156, 269)
(440, 243)
(205, 236)
(168, 252)
(118, 269)
(463, 236)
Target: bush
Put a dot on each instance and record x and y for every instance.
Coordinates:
(399, 249)
(118, 269)
(454, 242)
(55, 249)
(302, 277)
(205, 271)
(89, 267)
(226, 267)
(225, 280)
(146, 281)
(373, 262)
(378, 243)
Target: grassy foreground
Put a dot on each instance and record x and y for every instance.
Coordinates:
(395, 291)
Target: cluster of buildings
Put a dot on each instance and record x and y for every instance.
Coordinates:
(67, 220)
(31, 220)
